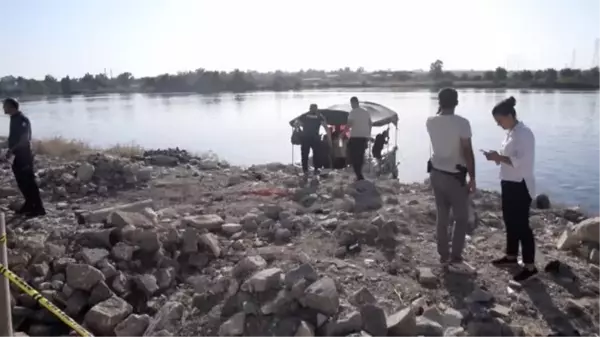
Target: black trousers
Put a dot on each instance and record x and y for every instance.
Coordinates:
(22, 168)
(356, 153)
(516, 202)
(308, 144)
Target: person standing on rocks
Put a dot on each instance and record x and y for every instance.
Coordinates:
(311, 123)
(451, 161)
(516, 160)
(19, 146)
(360, 125)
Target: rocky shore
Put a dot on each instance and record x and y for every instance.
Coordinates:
(166, 243)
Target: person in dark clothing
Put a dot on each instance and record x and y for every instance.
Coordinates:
(19, 146)
(310, 124)
(380, 140)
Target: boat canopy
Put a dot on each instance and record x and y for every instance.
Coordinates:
(338, 114)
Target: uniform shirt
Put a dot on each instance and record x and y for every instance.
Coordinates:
(19, 126)
(360, 123)
(445, 132)
(519, 146)
(311, 124)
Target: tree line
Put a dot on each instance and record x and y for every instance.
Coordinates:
(209, 81)
(567, 78)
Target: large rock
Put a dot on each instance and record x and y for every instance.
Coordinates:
(234, 326)
(104, 316)
(542, 201)
(305, 330)
(248, 265)
(162, 160)
(428, 327)
(302, 272)
(588, 230)
(205, 221)
(147, 284)
(402, 323)
(374, 320)
(167, 318)
(101, 214)
(83, 276)
(85, 172)
(211, 242)
(322, 296)
(122, 219)
(92, 256)
(134, 325)
(263, 280)
(366, 197)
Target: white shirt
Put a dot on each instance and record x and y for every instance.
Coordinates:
(445, 132)
(519, 146)
(360, 123)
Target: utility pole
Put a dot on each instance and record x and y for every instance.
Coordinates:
(6, 328)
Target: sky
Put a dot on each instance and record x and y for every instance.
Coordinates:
(150, 37)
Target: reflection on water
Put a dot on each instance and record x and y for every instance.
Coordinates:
(253, 128)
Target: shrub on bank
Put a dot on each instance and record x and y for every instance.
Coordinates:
(68, 148)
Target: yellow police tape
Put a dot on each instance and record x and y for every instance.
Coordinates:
(27, 289)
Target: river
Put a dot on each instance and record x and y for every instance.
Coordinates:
(253, 128)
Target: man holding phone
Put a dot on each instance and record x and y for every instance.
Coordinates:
(451, 161)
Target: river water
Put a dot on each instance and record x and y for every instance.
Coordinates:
(253, 128)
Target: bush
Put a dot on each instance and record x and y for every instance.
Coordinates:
(64, 148)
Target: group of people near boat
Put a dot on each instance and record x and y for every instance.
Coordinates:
(451, 168)
(342, 145)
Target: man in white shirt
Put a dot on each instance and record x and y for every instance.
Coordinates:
(360, 125)
(451, 160)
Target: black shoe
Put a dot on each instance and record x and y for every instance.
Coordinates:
(525, 274)
(36, 213)
(505, 262)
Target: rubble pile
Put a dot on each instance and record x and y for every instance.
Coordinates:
(263, 252)
(122, 277)
(97, 174)
(181, 155)
(173, 157)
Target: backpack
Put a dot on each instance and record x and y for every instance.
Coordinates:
(296, 138)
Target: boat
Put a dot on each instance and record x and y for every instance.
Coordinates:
(381, 116)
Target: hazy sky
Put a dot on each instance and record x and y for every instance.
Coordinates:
(148, 37)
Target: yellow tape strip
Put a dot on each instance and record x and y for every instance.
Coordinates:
(3, 238)
(26, 288)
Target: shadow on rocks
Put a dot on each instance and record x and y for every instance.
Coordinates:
(556, 319)
(459, 287)
(564, 276)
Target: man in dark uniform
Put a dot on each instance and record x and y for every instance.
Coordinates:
(19, 145)
(311, 123)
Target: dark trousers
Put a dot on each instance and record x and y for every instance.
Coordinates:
(308, 144)
(516, 202)
(22, 168)
(356, 153)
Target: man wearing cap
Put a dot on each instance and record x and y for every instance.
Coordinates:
(19, 146)
(451, 161)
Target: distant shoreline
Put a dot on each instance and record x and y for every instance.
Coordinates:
(392, 86)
